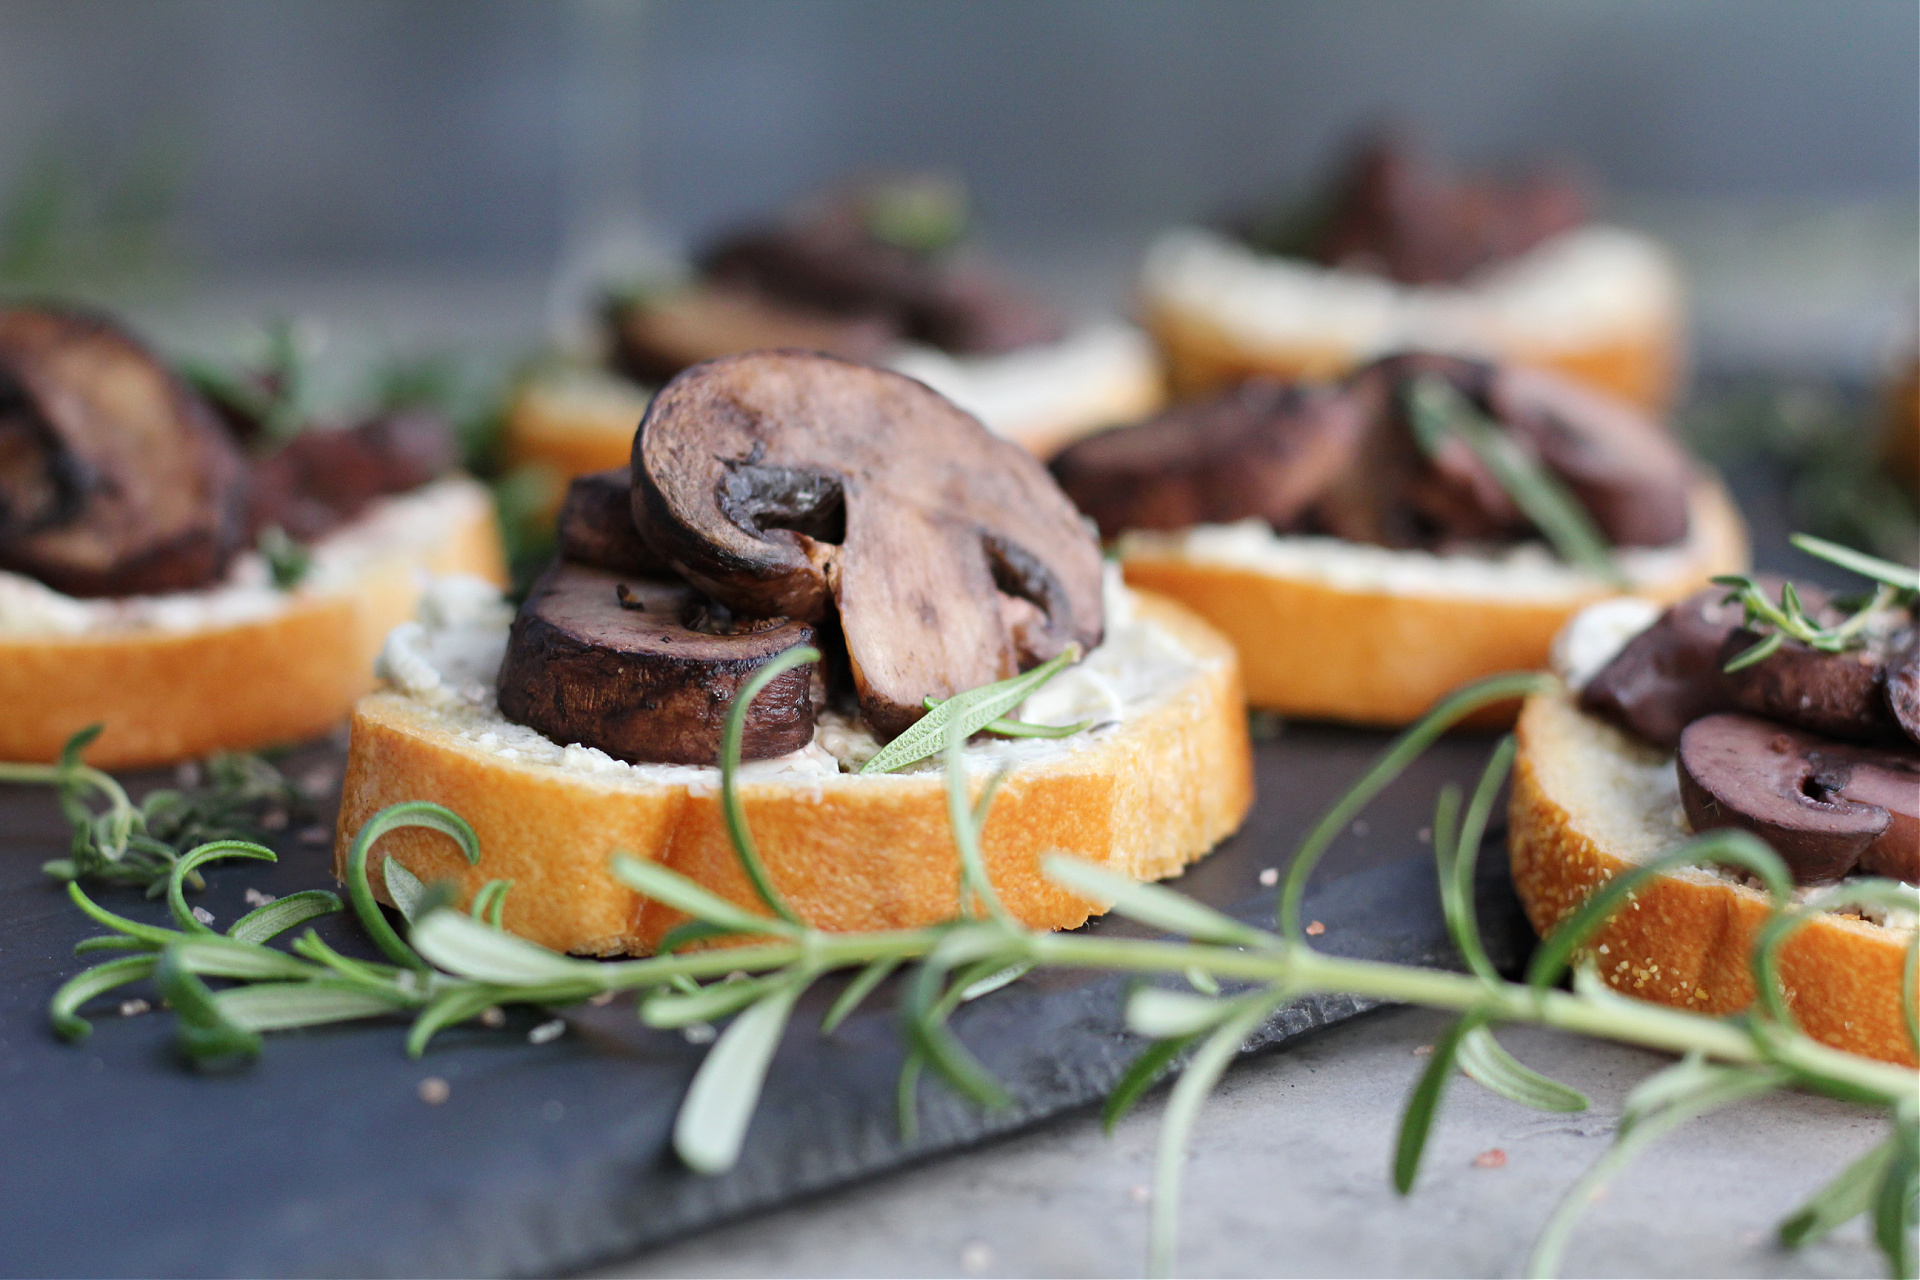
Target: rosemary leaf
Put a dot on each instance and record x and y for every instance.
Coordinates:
(1904, 577)
(490, 902)
(671, 889)
(972, 710)
(1894, 1200)
(203, 1032)
(191, 861)
(712, 1121)
(1439, 411)
(411, 813)
(710, 1003)
(1491, 1067)
(281, 1006)
(216, 956)
(456, 1004)
(1849, 1195)
(466, 947)
(88, 983)
(1152, 904)
(1005, 728)
(409, 894)
(1160, 1014)
(1423, 1102)
(730, 803)
(875, 973)
(1141, 1075)
(272, 919)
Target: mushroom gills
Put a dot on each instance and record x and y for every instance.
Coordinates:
(644, 670)
(1826, 808)
(115, 477)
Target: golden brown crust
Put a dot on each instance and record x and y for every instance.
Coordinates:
(1686, 938)
(850, 854)
(1373, 657)
(1201, 354)
(173, 695)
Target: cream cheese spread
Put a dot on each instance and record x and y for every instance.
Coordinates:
(1102, 373)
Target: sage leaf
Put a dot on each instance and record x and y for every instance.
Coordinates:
(466, 947)
(272, 919)
(1491, 1067)
(671, 889)
(712, 1122)
(970, 711)
(1152, 904)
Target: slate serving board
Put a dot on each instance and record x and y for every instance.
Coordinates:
(322, 1159)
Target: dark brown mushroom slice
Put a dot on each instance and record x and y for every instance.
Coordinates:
(1890, 779)
(1629, 474)
(656, 336)
(1903, 683)
(1261, 450)
(789, 483)
(324, 477)
(1669, 675)
(1755, 775)
(115, 478)
(637, 668)
(1842, 695)
(595, 526)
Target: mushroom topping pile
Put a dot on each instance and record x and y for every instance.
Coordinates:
(785, 498)
(115, 478)
(1807, 749)
(851, 274)
(1346, 461)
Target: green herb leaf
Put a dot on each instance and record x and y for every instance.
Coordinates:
(1160, 1014)
(203, 1032)
(1423, 1103)
(682, 936)
(217, 956)
(456, 1004)
(1438, 411)
(490, 902)
(972, 710)
(1152, 904)
(1005, 728)
(287, 561)
(191, 861)
(274, 918)
(709, 1003)
(85, 985)
(412, 813)
(671, 889)
(1849, 1195)
(869, 977)
(1139, 1077)
(470, 949)
(712, 1122)
(730, 802)
(408, 892)
(280, 1006)
(1900, 576)
(1492, 1067)
(1894, 1201)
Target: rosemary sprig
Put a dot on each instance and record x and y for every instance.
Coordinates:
(974, 710)
(1788, 619)
(138, 845)
(1437, 411)
(451, 967)
(287, 561)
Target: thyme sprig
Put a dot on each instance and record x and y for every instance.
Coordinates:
(1438, 412)
(139, 844)
(1895, 584)
(452, 966)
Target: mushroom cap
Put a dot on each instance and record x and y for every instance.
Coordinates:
(616, 662)
(595, 526)
(794, 484)
(1745, 772)
(1903, 684)
(1669, 675)
(115, 478)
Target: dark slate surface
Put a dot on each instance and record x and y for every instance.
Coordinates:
(322, 1160)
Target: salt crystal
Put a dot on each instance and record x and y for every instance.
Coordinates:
(547, 1032)
(204, 916)
(434, 1091)
(1270, 877)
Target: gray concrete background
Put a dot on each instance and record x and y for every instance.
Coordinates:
(1288, 1177)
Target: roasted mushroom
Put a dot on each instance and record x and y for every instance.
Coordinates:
(792, 484)
(663, 334)
(324, 478)
(1903, 683)
(596, 526)
(1824, 807)
(1841, 695)
(644, 671)
(1261, 450)
(115, 478)
(1669, 675)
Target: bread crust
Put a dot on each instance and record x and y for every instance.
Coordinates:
(849, 853)
(1202, 352)
(1685, 940)
(173, 695)
(1375, 657)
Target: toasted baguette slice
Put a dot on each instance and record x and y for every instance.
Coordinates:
(1590, 801)
(236, 669)
(1598, 304)
(1364, 634)
(1145, 797)
(578, 421)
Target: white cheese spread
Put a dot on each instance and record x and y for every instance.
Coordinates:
(1103, 373)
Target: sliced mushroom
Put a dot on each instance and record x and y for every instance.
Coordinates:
(1669, 675)
(595, 527)
(1842, 695)
(1889, 779)
(1903, 683)
(1744, 772)
(324, 477)
(641, 670)
(115, 479)
(1629, 474)
(657, 336)
(789, 483)
(1262, 450)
